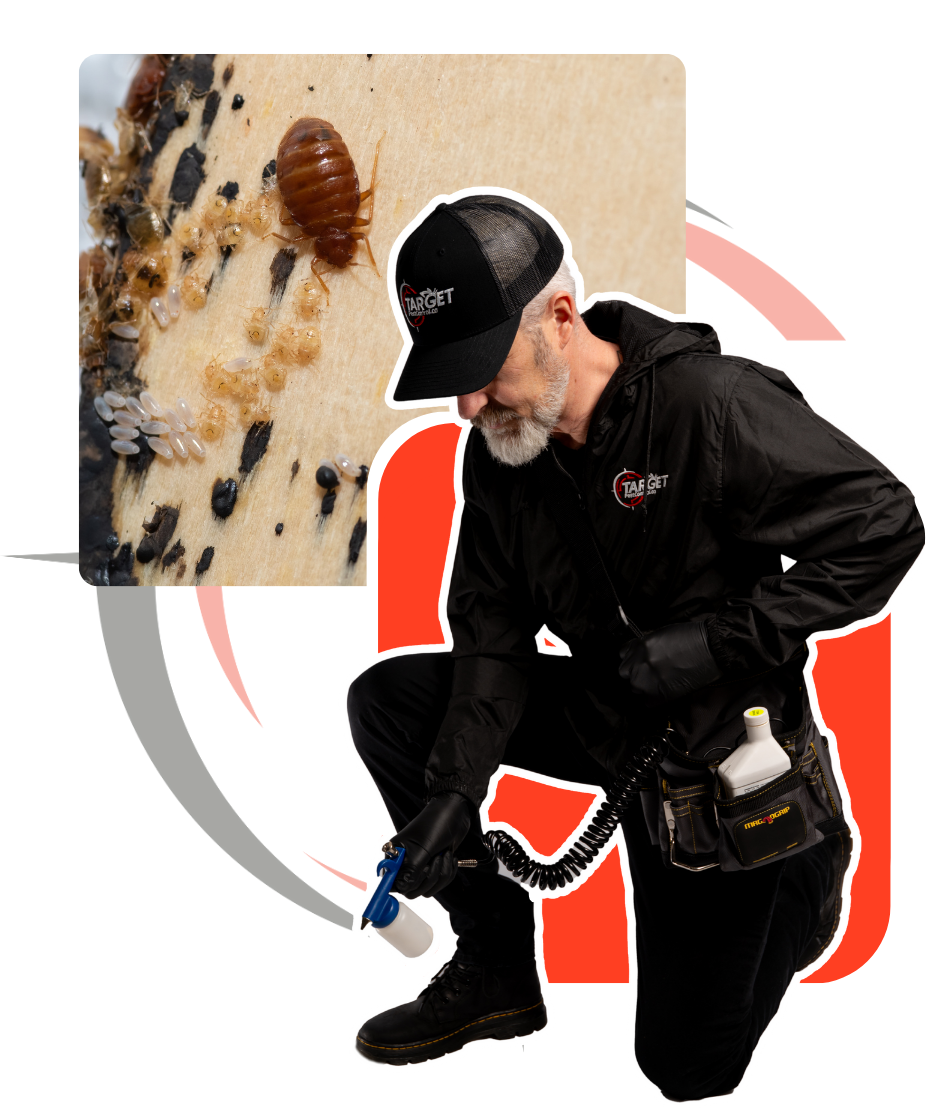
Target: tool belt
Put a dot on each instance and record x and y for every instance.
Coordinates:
(697, 827)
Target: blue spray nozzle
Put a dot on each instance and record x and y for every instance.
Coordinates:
(383, 907)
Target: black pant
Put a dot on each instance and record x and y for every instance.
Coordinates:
(716, 950)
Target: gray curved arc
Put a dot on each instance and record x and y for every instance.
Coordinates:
(143, 682)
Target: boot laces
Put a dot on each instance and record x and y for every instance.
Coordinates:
(448, 983)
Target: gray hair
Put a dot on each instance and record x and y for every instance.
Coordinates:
(563, 281)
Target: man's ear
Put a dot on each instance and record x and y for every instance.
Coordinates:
(561, 316)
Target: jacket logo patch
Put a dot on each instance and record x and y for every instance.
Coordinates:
(417, 306)
(630, 487)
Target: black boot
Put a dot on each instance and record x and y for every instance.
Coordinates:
(839, 850)
(462, 1004)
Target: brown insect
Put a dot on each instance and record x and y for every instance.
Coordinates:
(320, 189)
(142, 96)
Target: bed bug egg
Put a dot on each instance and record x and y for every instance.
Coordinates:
(113, 398)
(193, 291)
(194, 444)
(154, 427)
(176, 441)
(119, 446)
(174, 301)
(103, 408)
(125, 433)
(124, 331)
(125, 419)
(160, 447)
(135, 407)
(160, 313)
(327, 477)
(185, 412)
(256, 327)
(176, 424)
(346, 466)
(149, 401)
(236, 365)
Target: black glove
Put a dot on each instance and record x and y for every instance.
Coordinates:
(430, 841)
(669, 663)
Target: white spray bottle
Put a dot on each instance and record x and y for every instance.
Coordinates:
(757, 761)
(392, 918)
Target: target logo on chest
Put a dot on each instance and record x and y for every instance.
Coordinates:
(630, 487)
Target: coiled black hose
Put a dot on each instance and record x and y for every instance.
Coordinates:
(555, 875)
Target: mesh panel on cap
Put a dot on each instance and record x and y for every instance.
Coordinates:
(522, 250)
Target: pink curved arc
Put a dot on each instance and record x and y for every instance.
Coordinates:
(212, 608)
(762, 287)
(345, 876)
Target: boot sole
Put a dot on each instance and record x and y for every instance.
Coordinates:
(499, 1025)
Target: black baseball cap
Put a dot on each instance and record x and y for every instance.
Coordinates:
(463, 278)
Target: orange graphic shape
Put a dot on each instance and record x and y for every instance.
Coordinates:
(853, 684)
(416, 509)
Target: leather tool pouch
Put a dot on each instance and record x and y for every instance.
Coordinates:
(698, 828)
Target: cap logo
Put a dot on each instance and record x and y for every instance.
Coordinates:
(417, 306)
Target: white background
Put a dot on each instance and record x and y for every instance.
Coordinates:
(142, 966)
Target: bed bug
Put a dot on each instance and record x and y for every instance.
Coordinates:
(142, 96)
(320, 189)
(256, 327)
(212, 423)
(194, 290)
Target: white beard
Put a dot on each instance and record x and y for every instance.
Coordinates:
(515, 440)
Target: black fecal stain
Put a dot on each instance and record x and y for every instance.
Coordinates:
(224, 495)
(210, 111)
(279, 528)
(165, 125)
(255, 444)
(209, 284)
(197, 68)
(188, 176)
(205, 560)
(270, 170)
(181, 117)
(363, 476)
(112, 542)
(150, 525)
(119, 570)
(186, 261)
(329, 503)
(180, 570)
(327, 477)
(176, 551)
(369, 56)
(227, 73)
(295, 469)
(356, 540)
(153, 545)
(225, 252)
(238, 102)
(309, 89)
(281, 268)
(229, 190)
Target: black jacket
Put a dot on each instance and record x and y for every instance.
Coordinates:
(736, 470)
